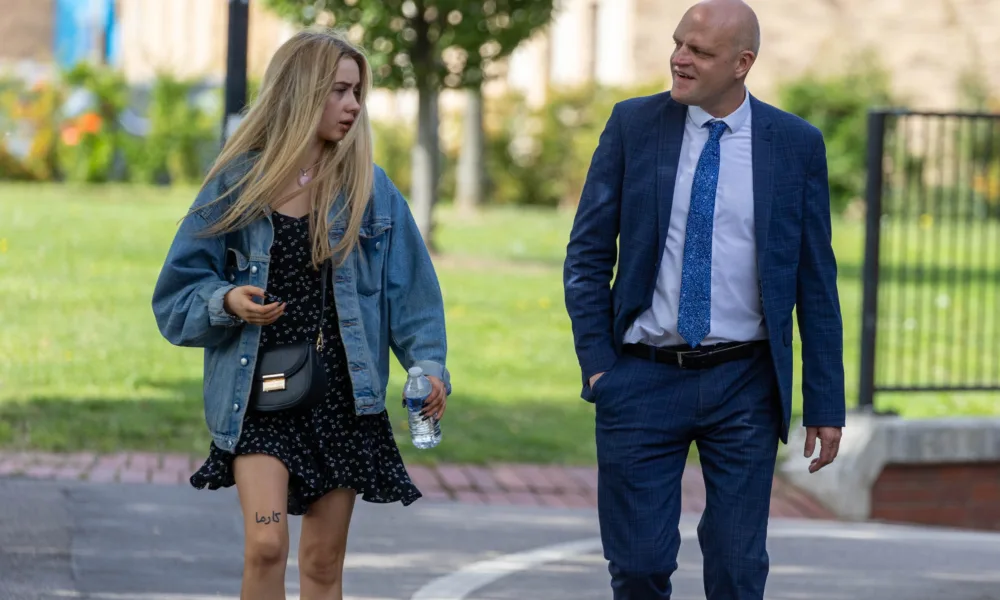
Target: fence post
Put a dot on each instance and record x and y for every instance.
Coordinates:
(236, 65)
(869, 307)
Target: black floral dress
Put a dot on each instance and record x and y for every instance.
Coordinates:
(327, 446)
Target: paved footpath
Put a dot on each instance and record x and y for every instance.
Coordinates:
(496, 485)
(119, 541)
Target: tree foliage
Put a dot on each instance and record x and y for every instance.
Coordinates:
(432, 43)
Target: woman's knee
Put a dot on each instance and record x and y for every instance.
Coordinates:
(266, 547)
(322, 563)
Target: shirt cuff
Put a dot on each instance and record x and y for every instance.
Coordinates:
(217, 314)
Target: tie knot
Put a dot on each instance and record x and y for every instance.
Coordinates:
(716, 129)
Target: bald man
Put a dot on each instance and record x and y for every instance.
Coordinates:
(721, 206)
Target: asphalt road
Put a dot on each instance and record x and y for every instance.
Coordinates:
(142, 542)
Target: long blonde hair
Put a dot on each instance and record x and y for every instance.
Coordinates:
(281, 124)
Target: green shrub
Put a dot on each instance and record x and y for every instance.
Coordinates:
(393, 142)
(540, 156)
(533, 156)
(514, 175)
(90, 142)
(181, 136)
(30, 113)
(980, 144)
(12, 169)
(90, 145)
(838, 105)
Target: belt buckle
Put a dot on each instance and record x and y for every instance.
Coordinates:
(680, 358)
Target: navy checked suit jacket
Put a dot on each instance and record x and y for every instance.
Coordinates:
(623, 217)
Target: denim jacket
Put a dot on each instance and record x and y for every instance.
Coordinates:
(387, 297)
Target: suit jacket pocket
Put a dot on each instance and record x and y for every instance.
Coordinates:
(599, 386)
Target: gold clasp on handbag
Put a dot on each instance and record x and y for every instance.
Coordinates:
(273, 383)
(319, 341)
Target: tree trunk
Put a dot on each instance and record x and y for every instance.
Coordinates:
(471, 161)
(424, 193)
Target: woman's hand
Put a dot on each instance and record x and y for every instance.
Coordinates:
(239, 302)
(434, 405)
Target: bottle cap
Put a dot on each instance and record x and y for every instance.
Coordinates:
(415, 371)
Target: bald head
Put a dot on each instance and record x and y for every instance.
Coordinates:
(715, 45)
(735, 17)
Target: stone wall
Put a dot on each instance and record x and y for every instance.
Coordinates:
(27, 30)
(925, 45)
(188, 38)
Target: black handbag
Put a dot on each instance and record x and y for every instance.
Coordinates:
(292, 375)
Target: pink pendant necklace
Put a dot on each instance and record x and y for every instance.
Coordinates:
(304, 177)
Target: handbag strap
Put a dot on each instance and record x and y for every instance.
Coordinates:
(322, 308)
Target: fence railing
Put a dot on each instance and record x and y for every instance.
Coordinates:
(931, 301)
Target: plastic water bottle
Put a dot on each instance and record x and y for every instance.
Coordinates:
(425, 432)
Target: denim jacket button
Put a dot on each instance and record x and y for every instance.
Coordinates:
(378, 245)
(244, 361)
(253, 269)
(236, 407)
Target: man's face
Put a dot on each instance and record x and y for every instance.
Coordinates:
(705, 59)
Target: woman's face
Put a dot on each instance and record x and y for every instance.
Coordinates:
(343, 104)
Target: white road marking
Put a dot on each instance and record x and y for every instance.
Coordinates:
(461, 583)
(139, 596)
(154, 596)
(470, 578)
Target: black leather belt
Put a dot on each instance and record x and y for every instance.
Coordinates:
(700, 357)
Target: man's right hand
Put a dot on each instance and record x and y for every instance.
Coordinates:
(594, 379)
(239, 302)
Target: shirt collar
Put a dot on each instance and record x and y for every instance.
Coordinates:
(734, 120)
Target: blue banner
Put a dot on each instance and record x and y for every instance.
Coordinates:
(86, 30)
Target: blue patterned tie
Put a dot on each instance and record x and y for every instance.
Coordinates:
(694, 314)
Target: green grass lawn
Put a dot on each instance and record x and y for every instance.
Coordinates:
(82, 365)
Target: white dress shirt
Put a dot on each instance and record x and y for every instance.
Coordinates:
(736, 309)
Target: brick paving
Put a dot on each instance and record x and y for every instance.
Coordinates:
(500, 484)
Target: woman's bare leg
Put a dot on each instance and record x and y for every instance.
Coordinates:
(262, 482)
(323, 545)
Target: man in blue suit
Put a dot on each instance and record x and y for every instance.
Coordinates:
(721, 206)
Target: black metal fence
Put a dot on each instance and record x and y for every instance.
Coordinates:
(931, 304)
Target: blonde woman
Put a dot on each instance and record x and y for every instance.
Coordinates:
(295, 371)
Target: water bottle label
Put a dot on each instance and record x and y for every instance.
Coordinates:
(415, 404)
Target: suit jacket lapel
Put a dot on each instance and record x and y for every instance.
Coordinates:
(763, 176)
(668, 156)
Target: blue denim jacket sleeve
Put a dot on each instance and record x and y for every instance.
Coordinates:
(416, 305)
(188, 297)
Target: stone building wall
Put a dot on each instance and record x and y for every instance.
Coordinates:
(26, 30)
(925, 45)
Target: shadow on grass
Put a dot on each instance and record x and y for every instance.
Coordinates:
(532, 263)
(909, 273)
(475, 430)
(939, 275)
(62, 425)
